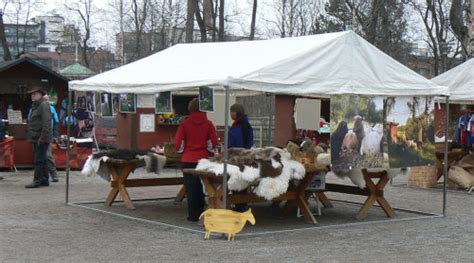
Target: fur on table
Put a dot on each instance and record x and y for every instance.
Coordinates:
(270, 169)
(95, 164)
(355, 175)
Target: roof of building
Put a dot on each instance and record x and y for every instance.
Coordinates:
(76, 70)
(6, 65)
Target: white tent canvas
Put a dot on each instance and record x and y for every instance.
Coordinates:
(324, 64)
(459, 80)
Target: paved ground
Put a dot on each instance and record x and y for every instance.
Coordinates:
(35, 225)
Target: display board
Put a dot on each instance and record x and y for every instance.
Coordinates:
(206, 99)
(411, 131)
(217, 117)
(127, 103)
(163, 103)
(145, 101)
(307, 114)
(357, 136)
(106, 104)
(147, 122)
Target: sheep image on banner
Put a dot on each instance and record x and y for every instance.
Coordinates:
(357, 133)
(411, 126)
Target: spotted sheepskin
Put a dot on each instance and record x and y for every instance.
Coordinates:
(270, 169)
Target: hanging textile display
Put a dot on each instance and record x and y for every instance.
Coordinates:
(53, 97)
(357, 136)
(464, 131)
(411, 127)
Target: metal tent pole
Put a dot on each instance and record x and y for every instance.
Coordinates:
(226, 144)
(68, 121)
(445, 177)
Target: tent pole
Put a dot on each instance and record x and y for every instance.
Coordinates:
(226, 144)
(445, 177)
(68, 123)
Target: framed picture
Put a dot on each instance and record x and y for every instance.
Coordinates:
(145, 101)
(163, 102)
(115, 103)
(106, 105)
(206, 99)
(80, 102)
(127, 103)
(90, 101)
(147, 122)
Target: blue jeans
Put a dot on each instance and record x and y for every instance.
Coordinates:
(194, 193)
(41, 163)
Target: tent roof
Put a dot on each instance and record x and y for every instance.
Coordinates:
(460, 81)
(334, 63)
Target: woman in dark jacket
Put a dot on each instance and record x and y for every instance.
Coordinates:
(194, 137)
(240, 135)
(241, 132)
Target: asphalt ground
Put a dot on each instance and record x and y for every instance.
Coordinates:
(37, 226)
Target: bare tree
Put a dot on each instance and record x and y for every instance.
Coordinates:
(139, 18)
(84, 9)
(459, 17)
(189, 21)
(253, 22)
(440, 39)
(6, 51)
(221, 20)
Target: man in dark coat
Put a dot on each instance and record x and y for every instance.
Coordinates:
(40, 135)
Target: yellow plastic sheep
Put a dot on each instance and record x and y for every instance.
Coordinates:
(225, 221)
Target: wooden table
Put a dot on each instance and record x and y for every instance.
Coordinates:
(295, 195)
(373, 191)
(120, 170)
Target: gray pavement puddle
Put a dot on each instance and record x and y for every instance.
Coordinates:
(166, 212)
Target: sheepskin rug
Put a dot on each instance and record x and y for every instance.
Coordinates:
(95, 163)
(269, 169)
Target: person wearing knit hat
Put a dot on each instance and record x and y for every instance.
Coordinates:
(195, 139)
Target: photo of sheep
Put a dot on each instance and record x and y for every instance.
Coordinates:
(356, 132)
(410, 124)
(127, 103)
(163, 102)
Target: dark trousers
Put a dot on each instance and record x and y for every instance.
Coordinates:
(51, 163)
(41, 162)
(194, 193)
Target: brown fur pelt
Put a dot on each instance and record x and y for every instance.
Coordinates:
(262, 157)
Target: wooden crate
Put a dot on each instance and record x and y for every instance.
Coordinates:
(422, 176)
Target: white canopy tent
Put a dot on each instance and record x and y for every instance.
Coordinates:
(459, 80)
(325, 64)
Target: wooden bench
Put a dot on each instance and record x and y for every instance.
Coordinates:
(373, 191)
(295, 195)
(120, 171)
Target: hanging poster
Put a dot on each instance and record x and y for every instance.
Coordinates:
(307, 114)
(145, 101)
(206, 99)
(106, 105)
(90, 101)
(357, 133)
(115, 103)
(163, 103)
(127, 103)
(147, 122)
(410, 122)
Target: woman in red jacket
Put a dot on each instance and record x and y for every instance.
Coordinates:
(196, 138)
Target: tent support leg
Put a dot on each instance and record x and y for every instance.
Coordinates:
(68, 152)
(445, 177)
(226, 139)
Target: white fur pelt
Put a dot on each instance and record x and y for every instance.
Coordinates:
(245, 168)
(154, 163)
